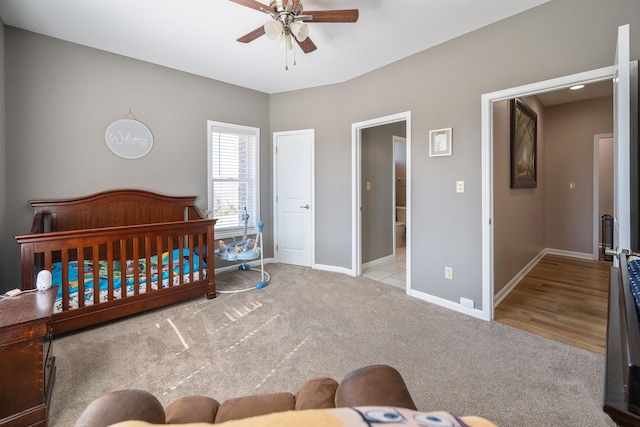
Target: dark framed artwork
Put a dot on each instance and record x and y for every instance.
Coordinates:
(524, 145)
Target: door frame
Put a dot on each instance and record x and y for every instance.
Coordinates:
(356, 196)
(276, 218)
(487, 100)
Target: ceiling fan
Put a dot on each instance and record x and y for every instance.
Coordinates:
(289, 22)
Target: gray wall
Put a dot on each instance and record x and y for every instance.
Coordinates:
(519, 213)
(60, 99)
(442, 87)
(570, 150)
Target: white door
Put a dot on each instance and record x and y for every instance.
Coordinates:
(294, 198)
(621, 135)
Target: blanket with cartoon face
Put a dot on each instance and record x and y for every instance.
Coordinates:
(368, 416)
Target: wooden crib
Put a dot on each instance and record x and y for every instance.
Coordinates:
(145, 250)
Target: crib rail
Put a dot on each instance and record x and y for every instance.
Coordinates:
(122, 245)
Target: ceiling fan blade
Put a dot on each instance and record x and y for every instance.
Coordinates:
(253, 4)
(344, 15)
(307, 45)
(249, 37)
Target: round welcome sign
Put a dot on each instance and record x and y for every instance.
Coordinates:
(129, 139)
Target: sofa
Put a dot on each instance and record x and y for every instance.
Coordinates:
(377, 390)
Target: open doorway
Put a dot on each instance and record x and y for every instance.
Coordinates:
(383, 203)
(374, 192)
(602, 194)
(488, 101)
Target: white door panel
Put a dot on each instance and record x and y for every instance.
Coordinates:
(294, 204)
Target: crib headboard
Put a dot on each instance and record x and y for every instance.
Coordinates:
(112, 208)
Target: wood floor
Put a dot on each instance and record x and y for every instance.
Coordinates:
(563, 299)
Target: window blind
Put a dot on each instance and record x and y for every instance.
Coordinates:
(234, 177)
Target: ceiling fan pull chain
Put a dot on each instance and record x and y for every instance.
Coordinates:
(286, 60)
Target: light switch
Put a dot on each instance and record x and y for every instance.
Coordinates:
(572, 185)
(368, 185)
(459, 186)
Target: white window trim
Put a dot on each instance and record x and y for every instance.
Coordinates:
(242, 128)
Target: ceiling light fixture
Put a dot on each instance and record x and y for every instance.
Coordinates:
(286, 25)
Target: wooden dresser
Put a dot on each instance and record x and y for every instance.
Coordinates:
(27, 365)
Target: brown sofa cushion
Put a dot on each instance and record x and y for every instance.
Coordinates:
(376, 385)
(122, 405)
(251, 406)
(192, 409)
(316, 393)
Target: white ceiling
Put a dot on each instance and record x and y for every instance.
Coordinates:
(593, 90)
(199, 36)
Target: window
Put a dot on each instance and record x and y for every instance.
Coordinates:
(233, 153)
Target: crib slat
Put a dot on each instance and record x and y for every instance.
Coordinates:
(109, 256)
(136, 266)
(80, 277)
(159, 265)
(200, 259)
(123, 268)
(147, 264)
(64, 284)
(48, 260)
(170, 260)
(96, 274)
(191, 243)
(180, 258)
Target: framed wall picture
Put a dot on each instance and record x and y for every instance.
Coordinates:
(524, 145)
(440, 142)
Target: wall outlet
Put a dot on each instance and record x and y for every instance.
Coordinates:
(466, 302)
(448, 273)
(459, 186)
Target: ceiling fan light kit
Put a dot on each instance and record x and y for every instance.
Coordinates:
(299, 30)
(287, 24)
(273, 29)
(285, 42)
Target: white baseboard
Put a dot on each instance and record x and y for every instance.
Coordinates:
(581, 255)
(474, 312)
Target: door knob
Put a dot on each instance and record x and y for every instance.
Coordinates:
(306, 206)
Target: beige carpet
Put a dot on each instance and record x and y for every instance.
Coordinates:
(310, 323)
